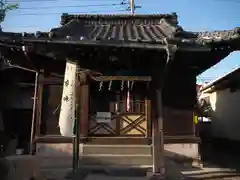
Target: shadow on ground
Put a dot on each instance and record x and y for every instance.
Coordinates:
(221, 160)
(220, 152)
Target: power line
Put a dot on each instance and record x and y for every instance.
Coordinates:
(16, 1)
(54, 7)
(87, 12)
(132, 6)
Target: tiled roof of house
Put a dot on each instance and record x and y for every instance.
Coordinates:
(235, 73)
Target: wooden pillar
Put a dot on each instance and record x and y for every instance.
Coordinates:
(76, 139)
(157, 130)
(84, 110)
(39, 110)
(158, 82)
(148, 117)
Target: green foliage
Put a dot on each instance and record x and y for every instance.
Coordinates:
(10, 7)
(5, 7)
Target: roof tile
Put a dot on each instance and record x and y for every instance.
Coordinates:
(140, 28)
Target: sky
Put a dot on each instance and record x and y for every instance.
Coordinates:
(194, 15)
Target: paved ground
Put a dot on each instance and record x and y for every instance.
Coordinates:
(218, 165)
(174, 172)
(110, 173)
(209, 173)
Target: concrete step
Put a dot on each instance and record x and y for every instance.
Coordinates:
(102, 155)
(55, 162)
(117, 159)
(116, 171)
(137, 160)
(89, 149)
(86, 171)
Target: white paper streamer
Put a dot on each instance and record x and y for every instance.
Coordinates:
(67, 112)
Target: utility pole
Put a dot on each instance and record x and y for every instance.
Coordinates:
(132, 7)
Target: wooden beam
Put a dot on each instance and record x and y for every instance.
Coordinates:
(122, 78)
(51, 81)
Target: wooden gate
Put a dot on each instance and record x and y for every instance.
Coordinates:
(123, 124)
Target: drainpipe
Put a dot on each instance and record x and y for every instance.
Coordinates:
(34, 113)
(34, 102)
(35, 95)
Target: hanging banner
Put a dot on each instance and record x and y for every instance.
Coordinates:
(67, 112)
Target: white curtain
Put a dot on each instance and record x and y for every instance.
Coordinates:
(67, 112)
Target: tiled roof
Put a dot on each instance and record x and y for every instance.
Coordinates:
(119, 18)
(139, 28)
(218, 36)
(234, 73)
(142, 31)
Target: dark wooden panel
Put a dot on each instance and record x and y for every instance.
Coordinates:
(117, 140)
(178, 122)
(51, 103)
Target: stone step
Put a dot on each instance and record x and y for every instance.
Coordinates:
(117, 159)
(137, 160)
(116, 149)
(55, 162)
(116, 170)
(84, 171)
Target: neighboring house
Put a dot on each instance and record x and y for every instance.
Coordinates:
(222, 99)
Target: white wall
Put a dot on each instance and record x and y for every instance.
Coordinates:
(226, 114)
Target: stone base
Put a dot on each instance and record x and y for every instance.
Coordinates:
(185, 153)
(157, 177)
(22, 167)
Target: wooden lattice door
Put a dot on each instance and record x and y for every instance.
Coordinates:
(128, 109)
(137, 124)
(124, 124)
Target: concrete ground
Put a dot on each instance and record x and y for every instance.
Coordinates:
(219, 164)
(177, 172)
(174, 171)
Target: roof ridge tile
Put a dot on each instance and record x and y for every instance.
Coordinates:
(116, 18)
